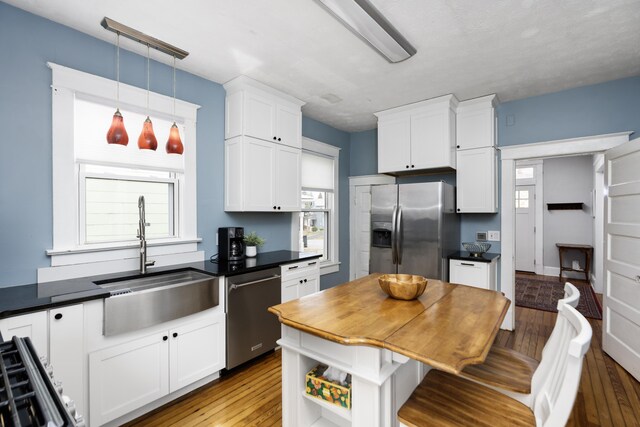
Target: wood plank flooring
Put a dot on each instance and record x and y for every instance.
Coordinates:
(608, 395)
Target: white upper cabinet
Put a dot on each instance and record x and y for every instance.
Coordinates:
(256, 110)
(475, 126)
(261, 176)
(476, 156)
(263, 140)
(418, 136)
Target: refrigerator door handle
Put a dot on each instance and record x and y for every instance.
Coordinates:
(394, 249)
(399, 241)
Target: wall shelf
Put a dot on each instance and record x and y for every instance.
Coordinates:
(564, 206)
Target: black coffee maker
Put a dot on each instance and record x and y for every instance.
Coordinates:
(231, 244)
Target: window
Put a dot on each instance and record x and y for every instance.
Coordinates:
(524, 172)
(522, 199)
(96, 185)
(315, 228)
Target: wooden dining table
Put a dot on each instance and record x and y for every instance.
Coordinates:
(379, 340)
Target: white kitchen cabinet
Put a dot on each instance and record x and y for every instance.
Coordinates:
(477, 186)
(300, 279)
(418, 136)
(479, 274)
(66, 351)
(129, 375)
(257, 110)
(195, 352)
(32, 325)
(476, 156)
(261, 176)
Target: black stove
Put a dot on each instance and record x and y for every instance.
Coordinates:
(28, 396)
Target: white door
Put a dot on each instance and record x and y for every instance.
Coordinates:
(259, 175)
(32, 325)
(362, 211)
(288, 122)
(260, 116)
(525, 228)
(621, 325)
(476, 180)
(429, 134)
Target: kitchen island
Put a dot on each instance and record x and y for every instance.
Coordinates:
(386, 345)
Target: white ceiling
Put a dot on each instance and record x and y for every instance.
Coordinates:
(470, 48)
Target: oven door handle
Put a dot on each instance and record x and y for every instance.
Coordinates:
(253, 282)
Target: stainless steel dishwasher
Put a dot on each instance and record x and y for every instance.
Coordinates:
(251, 329)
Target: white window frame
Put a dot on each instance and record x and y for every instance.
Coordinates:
(332, 264)
(67, 255)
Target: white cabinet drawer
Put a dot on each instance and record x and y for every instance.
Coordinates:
(470, 273)
(299, 269)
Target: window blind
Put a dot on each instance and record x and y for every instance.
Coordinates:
(317, 172)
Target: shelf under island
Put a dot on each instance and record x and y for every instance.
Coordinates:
(386, 345)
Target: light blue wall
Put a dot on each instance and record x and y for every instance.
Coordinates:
(27, 43)
(321, 132)
(364, 153)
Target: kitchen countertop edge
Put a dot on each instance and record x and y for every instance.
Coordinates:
(24, 299)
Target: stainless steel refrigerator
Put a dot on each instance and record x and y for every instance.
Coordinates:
(414, 228)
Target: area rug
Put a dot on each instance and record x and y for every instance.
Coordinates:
(543, 294)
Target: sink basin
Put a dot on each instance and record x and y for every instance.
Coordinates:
(143, 301)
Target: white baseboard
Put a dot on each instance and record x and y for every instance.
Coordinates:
(555, 271)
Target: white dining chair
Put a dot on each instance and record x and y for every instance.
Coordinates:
(445, 399)
(510, 371)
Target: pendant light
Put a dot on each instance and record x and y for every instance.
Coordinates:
(147, 139)
(117, 134)
(174, 144)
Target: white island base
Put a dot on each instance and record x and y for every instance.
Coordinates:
(381, 382)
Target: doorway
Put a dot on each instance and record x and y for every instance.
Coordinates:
(525, 228)
(509, 156)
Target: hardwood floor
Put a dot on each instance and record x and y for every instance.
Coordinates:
(608, 395)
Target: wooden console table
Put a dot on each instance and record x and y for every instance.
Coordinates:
(584, 249)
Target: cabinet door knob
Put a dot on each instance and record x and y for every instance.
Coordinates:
(457, 146)
(58, 316)
(300, 280)
(274, 138)
(164, 338)
(279, 139)
(274, 207)
(305, 280)
(407, 166)
(278, 207)
(175, 334)
(458, 209)
(413, 166)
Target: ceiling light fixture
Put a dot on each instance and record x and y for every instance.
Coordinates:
(365, 21)
(117, 134)
(147, 139)
(174, 144)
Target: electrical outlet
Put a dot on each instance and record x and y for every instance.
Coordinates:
(481, 236)
(493, 236)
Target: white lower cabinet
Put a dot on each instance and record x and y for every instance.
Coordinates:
(32, 325)
(127, 376)
(130, 375)
(300, 279)
(66, 351)
(473, 273)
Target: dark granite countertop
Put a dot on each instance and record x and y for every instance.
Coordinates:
(16, 300)
(466, 256)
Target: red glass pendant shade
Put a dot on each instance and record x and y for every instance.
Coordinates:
(117, 134)
(147, 139)
(174, 144)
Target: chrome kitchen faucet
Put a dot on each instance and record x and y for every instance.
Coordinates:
(141, 235)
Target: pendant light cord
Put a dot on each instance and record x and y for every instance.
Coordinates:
(148, 80)
(174, 89)
(117, 71)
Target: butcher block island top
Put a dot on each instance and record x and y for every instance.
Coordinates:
(448, 327)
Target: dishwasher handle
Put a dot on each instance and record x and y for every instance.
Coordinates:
(253, 282)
